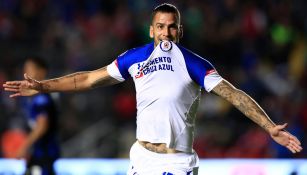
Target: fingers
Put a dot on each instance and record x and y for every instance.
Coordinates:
(29, 79)
(12, 83)
(25, 75)
(286, 139)
(294, 144)
(32, 83)
(294, 139)
(12, 89)
(15, 95)
(293, 147)
(281, 127)
(276, 129)
(11, 86)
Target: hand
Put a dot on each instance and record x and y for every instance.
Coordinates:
(27, 87)
(285, 139)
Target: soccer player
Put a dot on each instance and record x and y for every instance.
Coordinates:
(168, 80)
(41, 147)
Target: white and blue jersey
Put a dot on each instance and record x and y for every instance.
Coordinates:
(168, 81)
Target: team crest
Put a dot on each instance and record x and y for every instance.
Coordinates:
(166, 46)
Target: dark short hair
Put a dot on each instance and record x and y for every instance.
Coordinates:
(40, 62)
(166, 8)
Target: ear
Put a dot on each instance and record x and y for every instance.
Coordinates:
(151, 32)
(180, 31)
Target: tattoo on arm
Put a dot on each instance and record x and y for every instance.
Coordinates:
(78, 81)
(45, 86)
(244, 103)
(75, 82)
(64, 83)
(78, 76)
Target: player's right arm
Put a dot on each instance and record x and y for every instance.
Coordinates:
(78, 81)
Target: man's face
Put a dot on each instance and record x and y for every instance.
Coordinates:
(165, 26)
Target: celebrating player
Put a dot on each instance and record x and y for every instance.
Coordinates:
(168, 80)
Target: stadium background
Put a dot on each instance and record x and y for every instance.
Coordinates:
(259, 46)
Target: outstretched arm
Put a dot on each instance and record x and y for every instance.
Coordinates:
(73, 82)
(252, 110)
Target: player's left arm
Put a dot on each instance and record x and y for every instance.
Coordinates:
(41, 127)
(252, 110)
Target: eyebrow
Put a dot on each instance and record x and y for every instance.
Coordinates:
(171, 25)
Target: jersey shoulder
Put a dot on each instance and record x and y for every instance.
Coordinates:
(191, 57)
(199, 68)
(132, 56)
(137, 54)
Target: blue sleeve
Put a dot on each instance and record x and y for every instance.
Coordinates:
(122, 66)
(41, 105)
(197, 66)
(132, 56)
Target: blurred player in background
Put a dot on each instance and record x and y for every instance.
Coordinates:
(168, 80)
(41, 147)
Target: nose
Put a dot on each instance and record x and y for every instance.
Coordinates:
(166, 32)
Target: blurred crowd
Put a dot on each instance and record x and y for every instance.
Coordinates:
(258, 45)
